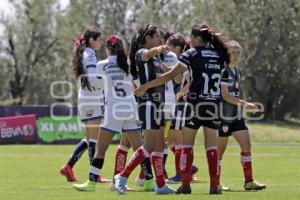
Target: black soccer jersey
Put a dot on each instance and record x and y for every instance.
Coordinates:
(148, 71)
(204, 65)
(232, 80)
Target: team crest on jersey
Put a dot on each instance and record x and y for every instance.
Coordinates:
(237, 85)
(157, 121)
(225, 128)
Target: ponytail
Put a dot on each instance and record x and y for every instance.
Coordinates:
(114, 43)
(208, 36)
(80, 44)
(220, 47)
(137, 41)
(134, 47)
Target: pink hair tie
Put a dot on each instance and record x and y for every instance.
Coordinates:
(78, 41)
(113, 39)
(188, 42)
(81, 38)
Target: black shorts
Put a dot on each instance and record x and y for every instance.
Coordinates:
(151, 114)
(178, 120)
(199, 113)
(226, 129)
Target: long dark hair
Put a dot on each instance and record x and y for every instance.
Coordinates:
(208, 36)
(80, 44)
(114, 43)
(178, 40)
(137, 42)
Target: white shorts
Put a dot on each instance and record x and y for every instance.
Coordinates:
(90, 109)
(121, 117)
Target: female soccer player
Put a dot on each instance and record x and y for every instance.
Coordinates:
(232, 121)
(90, 98)
(120, 114)
(145, 66)
(205, 62)
(177, 44)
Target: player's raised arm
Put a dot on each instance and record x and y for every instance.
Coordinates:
(178, 69)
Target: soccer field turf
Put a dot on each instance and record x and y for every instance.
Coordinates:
(31, 172)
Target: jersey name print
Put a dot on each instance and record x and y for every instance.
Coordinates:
(204, 65)
(117, 85)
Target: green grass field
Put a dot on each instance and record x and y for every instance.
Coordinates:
(31, 172)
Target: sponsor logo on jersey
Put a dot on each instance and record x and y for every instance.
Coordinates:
(217, 123)
(209, 53)
(191, 123)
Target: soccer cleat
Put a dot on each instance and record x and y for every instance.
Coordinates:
(128, 189)
(101, 179)
(166, 189)
(67, 171)
(253, 185)
(194, 169)
(88, 186)
(184, 190)
(120, 183)
(194, 179)
(174, 179)
(225, 188)
(139, 181)
(148, 186)
(112, 187)
(215, 190)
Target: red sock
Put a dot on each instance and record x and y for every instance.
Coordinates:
(212, 160)
(121, 157)
(178, 150)
(173, 149)
(219, 168)
(157, 159)
(186, 161)
(137, 158)
(142, 175)
(247, 165)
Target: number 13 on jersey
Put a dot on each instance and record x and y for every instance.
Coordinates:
(216, 79)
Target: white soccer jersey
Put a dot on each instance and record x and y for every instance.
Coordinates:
(116, 84)
(169, 61)
(89, 61)
(90, 103)
(120, 113)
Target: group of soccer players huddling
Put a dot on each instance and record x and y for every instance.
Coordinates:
(157, 95)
